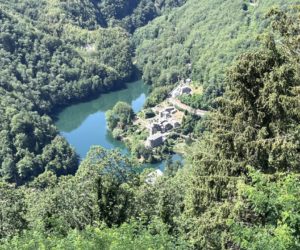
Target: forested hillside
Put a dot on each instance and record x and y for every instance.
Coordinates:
(53, 53)
(129, 14)
(40, 72)
(200, 40)
(239, 186)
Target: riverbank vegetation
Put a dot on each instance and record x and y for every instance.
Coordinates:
(124, 126)
(239, 187)
(120, 116)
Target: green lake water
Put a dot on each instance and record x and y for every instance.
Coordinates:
(84, 124)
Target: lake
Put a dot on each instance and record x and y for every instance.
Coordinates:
(84, 124)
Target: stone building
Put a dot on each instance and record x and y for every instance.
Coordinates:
(154, 140)
(154, 128)
(165, 115)
(160, 126)
(176, 124)
(180, 90)
(186, 90)
(166, 126)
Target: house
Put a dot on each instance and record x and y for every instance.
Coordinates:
(180, 90)
(169, 109)
(166, 126)
(186, 90)
(90, 48)
(160, 126)
(154, 140)
(154, 128)
(152, 177)
(165, 115)
(176, 124)
(175, 93)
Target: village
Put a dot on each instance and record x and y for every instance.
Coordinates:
(168, 115)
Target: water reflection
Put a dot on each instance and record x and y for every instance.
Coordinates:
(84, 124)
(74, 116)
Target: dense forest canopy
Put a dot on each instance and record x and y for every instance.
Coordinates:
(129, 14)
(53, 53)
(200, 40)
(40, 72)
(239, 187)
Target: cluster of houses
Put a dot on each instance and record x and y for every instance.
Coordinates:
(160, 126)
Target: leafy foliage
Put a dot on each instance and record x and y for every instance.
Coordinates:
(53, 53)
(89, 209)
(129, 236)
(128, 14)
(257, 124)
(266, 215)
(200, 40)
(120, 116)
(193, 101)
(12, 211)
(239, 188)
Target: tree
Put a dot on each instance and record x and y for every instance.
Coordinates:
(12, 210)
(257, 124)
(113, 178)
(120, 116)
(266, 215)
(59, 157)
(43, 68)
(70, 204)
(133, 235)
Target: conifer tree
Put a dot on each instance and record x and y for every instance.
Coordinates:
(256, 124)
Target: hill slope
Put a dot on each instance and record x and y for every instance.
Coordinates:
(51, 54)
(200, 40)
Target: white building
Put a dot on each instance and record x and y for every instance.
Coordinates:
(152, 177)
(188, 81)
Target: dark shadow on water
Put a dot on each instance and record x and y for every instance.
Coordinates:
(73, 116)
(84, 124)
